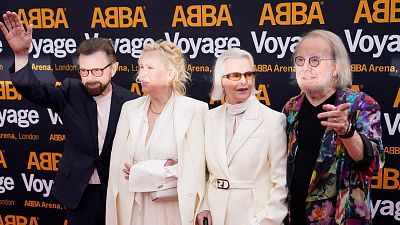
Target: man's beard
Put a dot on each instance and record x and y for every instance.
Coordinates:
(96, 88)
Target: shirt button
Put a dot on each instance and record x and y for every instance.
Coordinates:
(160, 186)
(190, 194)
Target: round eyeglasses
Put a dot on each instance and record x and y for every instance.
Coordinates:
(235, 76)
(313, 61)
(97, 72)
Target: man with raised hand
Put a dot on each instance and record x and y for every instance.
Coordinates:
(89, 108)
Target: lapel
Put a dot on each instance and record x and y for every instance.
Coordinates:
(217, 138)
(292, 126)
(182, 117)
(324, 157)
(136, 117)
(115, 110)
(250, 121)
(92, 117)
(327, 151)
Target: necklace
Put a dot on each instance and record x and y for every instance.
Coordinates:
(151, 109)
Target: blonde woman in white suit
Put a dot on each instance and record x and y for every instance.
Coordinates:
(157, 169)
(245, 144)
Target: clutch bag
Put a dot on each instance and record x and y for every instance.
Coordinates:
(169, 194)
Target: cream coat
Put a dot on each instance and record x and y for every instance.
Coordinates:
(189, 133)
(255, 167)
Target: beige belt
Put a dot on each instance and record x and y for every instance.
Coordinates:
(222, 183)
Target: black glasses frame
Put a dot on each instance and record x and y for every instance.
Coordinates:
(97, 72)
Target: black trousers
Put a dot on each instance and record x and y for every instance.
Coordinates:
(91, 209)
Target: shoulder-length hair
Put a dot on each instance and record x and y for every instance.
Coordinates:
(339, 53)
(174, 60)
(218, 92)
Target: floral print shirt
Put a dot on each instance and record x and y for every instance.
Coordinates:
(337, 180)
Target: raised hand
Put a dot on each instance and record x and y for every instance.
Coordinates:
(17, 37)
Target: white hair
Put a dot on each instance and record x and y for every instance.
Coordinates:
(218, 92)
(339, 53)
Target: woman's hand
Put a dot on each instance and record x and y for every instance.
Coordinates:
(170, 162)
(127, 170)
(201, 216)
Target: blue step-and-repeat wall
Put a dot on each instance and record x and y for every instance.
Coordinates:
(31, 138)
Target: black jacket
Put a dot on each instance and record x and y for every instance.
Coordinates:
(78, 111)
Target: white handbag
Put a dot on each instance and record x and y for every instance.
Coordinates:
(169, 194)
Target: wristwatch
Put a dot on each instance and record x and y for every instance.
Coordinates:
(350, 131)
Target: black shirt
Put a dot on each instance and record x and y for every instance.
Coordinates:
(309, 139)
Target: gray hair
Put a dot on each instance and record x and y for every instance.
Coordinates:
(339, 53)
(218, 92)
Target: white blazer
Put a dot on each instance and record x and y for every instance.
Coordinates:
(255, 167)
(189, 134)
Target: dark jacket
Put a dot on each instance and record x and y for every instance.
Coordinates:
(78, 111)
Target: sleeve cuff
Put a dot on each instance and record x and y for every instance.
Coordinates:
(148, 176)
(368, 155)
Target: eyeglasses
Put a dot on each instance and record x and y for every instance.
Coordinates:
(97, 72)
(313, 61)
(235, 76)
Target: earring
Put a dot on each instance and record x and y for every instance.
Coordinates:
(137, 80)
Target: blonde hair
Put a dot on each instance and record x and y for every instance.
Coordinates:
(174, 61)
(218, 92)
(339, 53)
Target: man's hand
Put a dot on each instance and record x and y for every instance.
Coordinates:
(17, 37)
(337, 117)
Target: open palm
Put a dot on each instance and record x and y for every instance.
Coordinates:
(17, 37)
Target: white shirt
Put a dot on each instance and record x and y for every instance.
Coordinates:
(103, 103)
(234, 115)
(148, 172)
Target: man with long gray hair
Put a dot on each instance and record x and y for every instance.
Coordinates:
(334, 137)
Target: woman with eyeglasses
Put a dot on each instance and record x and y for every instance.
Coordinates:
(334, 137)
(245, 145)
(157, 170)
